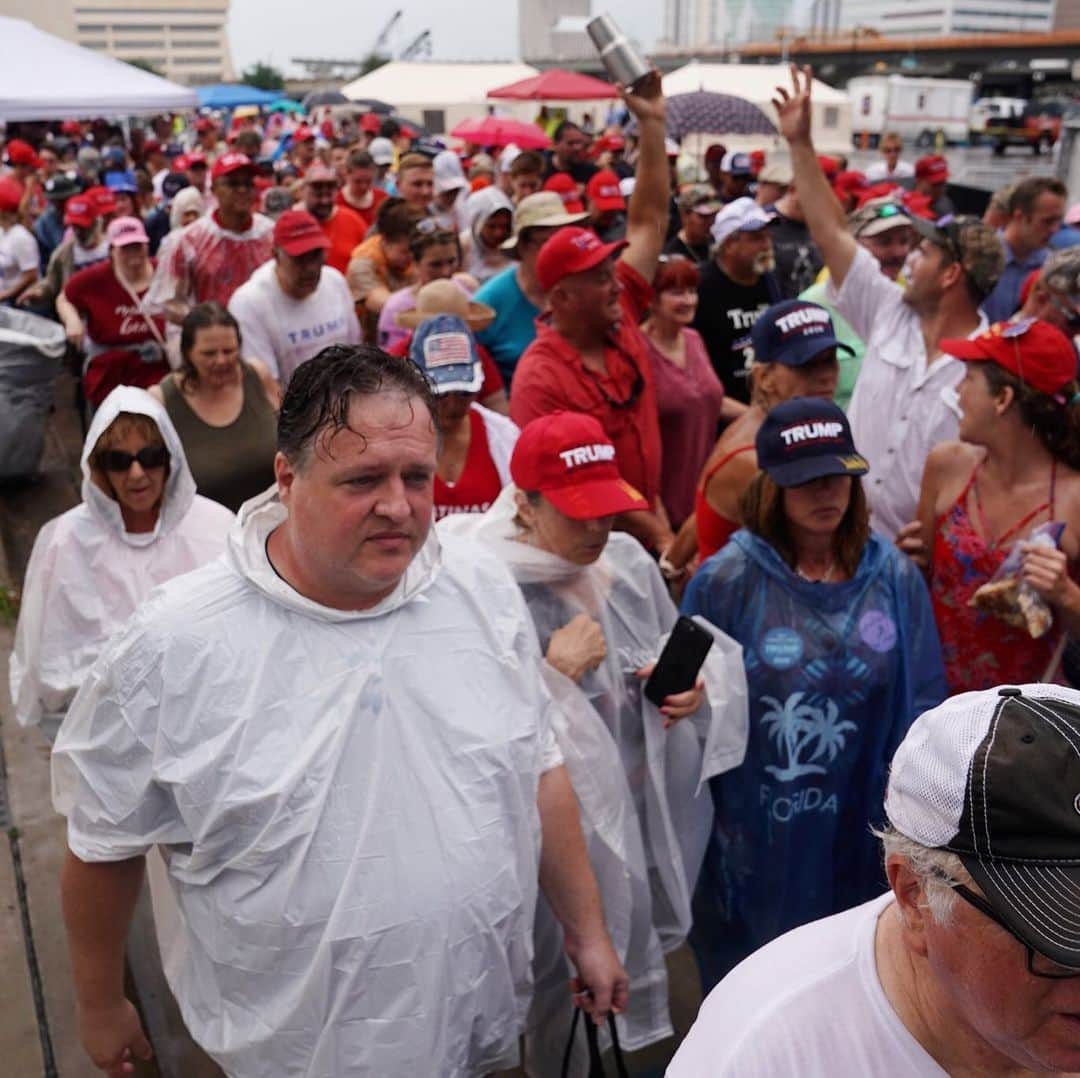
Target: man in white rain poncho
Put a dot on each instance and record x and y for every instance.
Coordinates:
(339, 738)
(602, 614)
(139, 524)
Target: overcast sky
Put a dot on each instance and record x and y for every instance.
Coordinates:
(276, 30)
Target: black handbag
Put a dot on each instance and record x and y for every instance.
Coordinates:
(596, 1065)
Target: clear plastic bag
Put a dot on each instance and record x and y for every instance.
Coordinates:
(1007, 596)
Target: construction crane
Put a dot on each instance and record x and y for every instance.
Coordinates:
(323, 68)
(419, 46)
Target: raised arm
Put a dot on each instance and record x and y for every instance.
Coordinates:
(824, 214)
(647, 214)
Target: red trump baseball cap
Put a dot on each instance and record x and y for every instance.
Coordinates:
(603, 191)
(571, 250)
(231, 162)
(297, 232)
(568, 458)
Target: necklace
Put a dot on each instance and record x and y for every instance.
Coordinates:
(824, 579)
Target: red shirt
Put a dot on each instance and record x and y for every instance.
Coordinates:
(110, 315)
(493, 380)
(378, 197)
(551, 376)
(346, 231)
(479, 483)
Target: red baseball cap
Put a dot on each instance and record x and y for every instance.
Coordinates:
(193, 160)
(303, 134)
(18, 152)
(568, 458)
(571, 250)
(370, 123)
(102, 199)
(231, 162)
(205, 124)
(565, 187)
(297, 232)
(71, 127)
(829, 165)
(849, 183)
(80, 211)
(757, 160)
(11, 193)
(1035, 351)
(603, 191)
(933, 168)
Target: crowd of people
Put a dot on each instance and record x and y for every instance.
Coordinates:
(402, 464)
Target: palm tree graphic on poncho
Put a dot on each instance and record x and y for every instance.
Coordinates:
(804, 733)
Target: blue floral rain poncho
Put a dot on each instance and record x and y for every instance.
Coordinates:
(836, 675)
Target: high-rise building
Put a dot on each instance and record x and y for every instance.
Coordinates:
(184, 40)
(699, 24)
(554, 30)
(937, 17)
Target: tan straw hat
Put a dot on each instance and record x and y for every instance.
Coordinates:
(544, 209)
(445, 297)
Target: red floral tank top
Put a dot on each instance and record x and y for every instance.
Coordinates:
(979, 650)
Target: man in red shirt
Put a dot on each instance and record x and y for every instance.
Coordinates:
(360, 193)
(214, 256)
(344, 229)
(302, 149)
(589, 354)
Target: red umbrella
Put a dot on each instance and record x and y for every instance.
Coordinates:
(501, 131)
(556, 85)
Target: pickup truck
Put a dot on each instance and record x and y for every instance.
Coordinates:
(1037, 125)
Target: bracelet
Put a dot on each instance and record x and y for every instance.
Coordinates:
(668, 570)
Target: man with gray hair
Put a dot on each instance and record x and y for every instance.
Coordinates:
(970, 963)
(1054, 295)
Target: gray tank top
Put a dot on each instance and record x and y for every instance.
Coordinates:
(230, 464)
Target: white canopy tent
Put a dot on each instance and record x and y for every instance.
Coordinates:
(757, 83)
(441, 95)
(43, 77)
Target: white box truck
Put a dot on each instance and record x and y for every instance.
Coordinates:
(923, 111)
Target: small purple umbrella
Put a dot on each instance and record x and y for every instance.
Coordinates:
(705, 113)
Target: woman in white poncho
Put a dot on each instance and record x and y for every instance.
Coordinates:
(602, 613)
(140, 523)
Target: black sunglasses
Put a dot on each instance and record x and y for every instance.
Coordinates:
(1038, 965)
(119, 460)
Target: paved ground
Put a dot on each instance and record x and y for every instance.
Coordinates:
(38, 1038)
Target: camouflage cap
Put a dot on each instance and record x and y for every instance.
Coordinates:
(976, 246)
(1061, 273)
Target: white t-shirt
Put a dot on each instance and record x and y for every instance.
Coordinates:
(284, 332)
(809, 1004)
(18, 253)
(902, 405)
(879, 171)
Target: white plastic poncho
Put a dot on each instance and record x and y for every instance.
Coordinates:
(645, 808)
(87, 574)
(346, 802)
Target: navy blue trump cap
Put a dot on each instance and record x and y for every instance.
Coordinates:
(794, 332)
(806, 438)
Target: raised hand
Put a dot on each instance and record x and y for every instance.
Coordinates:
(793, 106)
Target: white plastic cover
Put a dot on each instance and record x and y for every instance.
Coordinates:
(662, 772)
(346, 802)
(87, 574)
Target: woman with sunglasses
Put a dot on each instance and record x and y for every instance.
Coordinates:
(1016, 467)
(436, 256)
(140, 523)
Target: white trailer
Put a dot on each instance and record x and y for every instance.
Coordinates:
(923, 111)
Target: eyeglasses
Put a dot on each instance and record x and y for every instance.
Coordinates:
(949, 228)
(1038, 965)
(427, 225)
(118, 460)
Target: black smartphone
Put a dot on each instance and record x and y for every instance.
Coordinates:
(677, 668)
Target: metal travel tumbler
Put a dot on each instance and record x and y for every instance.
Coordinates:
(621, 60)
